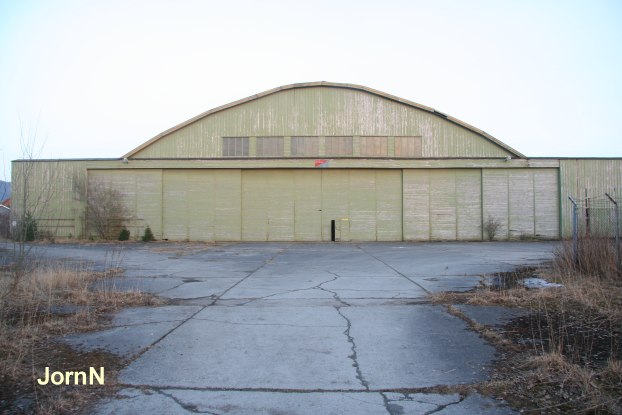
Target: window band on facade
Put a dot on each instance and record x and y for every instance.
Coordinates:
(270, 147)
(329, 146)
(235, 147)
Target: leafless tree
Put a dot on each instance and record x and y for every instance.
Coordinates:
(30, 200)
(105, 212)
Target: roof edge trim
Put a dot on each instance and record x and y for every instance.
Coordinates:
(333, 85)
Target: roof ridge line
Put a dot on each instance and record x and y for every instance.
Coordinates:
(325, 84)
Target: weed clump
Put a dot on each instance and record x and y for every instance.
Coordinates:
(491, 227)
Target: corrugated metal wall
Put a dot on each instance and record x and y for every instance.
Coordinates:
(54, 192)
(320, 112)
(299, 204)
(591, 178)
(524, 201)
(287, 205)
(141, 193)
(442, 204)
(201, 205)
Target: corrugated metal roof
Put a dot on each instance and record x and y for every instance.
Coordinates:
(330, 85)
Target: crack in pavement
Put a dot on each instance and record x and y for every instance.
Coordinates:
(266, 262)
(318, 286)
(346, 332)
(395, 270)
(204, 307)
(172, 288)
(423, 390)
(117, 326)
(263, 324)
(441, 407)
(165, 335)
(187, 407)
(391, 408)
(353, 356)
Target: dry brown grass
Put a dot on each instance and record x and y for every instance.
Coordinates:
(565, 356)
(34, 311)
(596, 258)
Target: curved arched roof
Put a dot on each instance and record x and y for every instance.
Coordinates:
(331, 85)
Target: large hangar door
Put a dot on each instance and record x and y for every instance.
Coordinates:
(443, 204)
(281, 205)
(366, 204)
(267, 205)
(299, 205)
(201, 205)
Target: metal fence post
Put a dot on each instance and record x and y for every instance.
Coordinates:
(617, 246)
(575, 232)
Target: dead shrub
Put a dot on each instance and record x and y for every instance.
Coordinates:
(106, 213)
(491, 227)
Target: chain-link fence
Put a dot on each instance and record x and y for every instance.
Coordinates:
(597, 219)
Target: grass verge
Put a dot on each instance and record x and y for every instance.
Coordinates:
(48, 301)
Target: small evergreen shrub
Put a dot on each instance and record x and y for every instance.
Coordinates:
(124, 235)
(148, 236)
(27, 230)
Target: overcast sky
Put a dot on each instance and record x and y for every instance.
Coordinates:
(98, 78)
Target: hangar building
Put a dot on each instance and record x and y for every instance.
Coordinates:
(320, 161)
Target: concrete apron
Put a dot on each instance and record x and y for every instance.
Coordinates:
(302, 328)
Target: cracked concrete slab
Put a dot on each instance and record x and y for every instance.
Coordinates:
(145, 315)
(186, 401)
(134, 330)
(416, 346)
(136, 401)
(211, 288)
(372, 287)
(244, 348)
(299, 327)
(123, 341)
(192, 401)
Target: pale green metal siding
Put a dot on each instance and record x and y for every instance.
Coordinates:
(319, 112)
(218, 204)
(388, 199)
(54, 192)
(140, 192)
(524, 201)
(268, 205)
(285, 205)
(442, 204)
(201, 205)
(592, 178)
